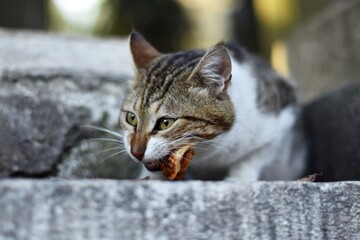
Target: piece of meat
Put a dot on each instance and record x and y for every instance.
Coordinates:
(178, 162)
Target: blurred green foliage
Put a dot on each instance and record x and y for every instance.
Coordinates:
(163, 22)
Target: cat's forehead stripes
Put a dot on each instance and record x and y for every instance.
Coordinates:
(168, 62)
(167, 70)
(155, 107)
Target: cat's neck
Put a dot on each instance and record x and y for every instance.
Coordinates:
(257, 121)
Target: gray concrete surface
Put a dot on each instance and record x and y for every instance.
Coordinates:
(107, 209)
(39, 52)
(33, 134)
(51, 86)
(58, 67)
(323, 52)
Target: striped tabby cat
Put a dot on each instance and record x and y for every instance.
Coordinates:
(240, 113)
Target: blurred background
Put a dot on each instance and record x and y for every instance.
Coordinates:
(169, 24)
(314, 42)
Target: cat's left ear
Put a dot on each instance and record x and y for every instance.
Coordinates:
(214, 68)
(142, 51)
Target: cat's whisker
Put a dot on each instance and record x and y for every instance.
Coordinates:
(114, 154)
(222, 148)
(212, 143)
(134, 93)
(122, 153)
(180, 142)
(160, 158)
(109, 149)
(200, 148)
(101, 151)
(131, 156)
(105, 130)
(129, 85)
(202, 140)
(102, 139)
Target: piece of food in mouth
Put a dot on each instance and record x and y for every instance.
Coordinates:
(178, 162)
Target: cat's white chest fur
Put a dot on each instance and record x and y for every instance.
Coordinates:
(259, 145)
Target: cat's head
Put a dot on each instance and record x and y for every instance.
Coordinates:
(175, 99)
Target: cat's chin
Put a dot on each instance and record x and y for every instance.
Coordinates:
(153, 166)
(156, 165)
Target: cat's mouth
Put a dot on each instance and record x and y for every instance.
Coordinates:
(158, 165)
(153, 165)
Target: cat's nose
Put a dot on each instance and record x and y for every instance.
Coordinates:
(138, 154)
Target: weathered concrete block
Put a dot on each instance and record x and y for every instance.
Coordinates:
(33, 134)
(324, 52)
(52, 85)
(106, 209)
(54, 54)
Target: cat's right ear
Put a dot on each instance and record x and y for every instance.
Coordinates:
(214, 69)
(142, 51)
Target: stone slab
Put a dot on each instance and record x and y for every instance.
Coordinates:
(39, 52)
(107, 209)
(51, 86)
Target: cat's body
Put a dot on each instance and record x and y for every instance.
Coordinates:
(241, 113)
(264, 141)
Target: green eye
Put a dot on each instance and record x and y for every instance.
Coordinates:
(131, 119)
(164, 123)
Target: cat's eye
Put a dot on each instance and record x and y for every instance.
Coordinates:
(164, 123)
(131, 119)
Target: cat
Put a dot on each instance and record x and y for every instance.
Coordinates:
(241, 114)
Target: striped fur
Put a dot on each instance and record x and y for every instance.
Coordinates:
(192, 88)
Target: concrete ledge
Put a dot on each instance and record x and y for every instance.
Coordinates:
(106, 209)
(50, 87)
(40, 53)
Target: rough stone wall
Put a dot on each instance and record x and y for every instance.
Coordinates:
(107, 209)
(51, 86)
